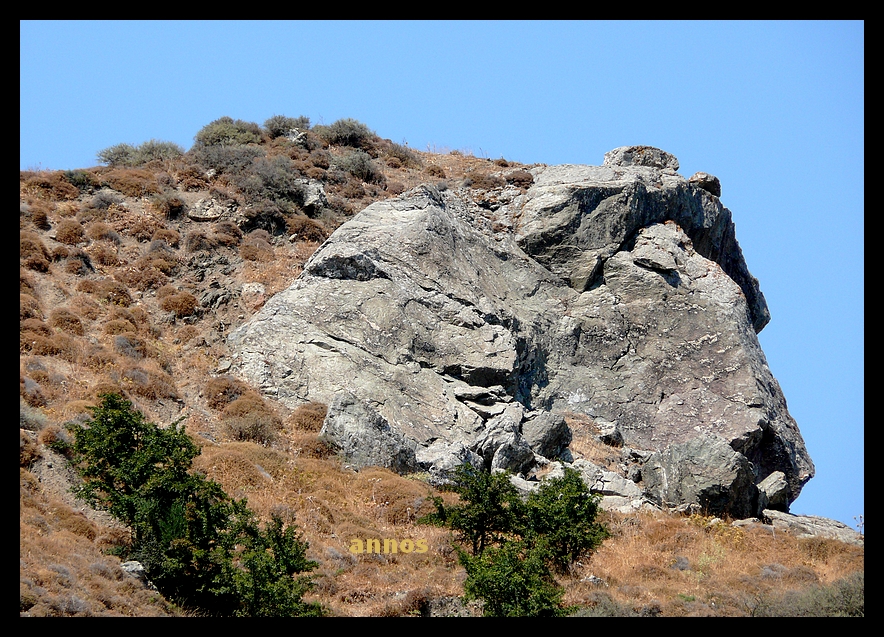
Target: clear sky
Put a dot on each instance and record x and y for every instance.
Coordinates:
(774, 109)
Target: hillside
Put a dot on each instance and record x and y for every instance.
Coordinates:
(132, 277)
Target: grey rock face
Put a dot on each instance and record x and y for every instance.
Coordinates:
(442, 331)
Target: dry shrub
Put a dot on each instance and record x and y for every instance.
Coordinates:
(131, 182)
(435, 171)
(180, 303)
(395, 188)
(98, 358)
(131, 346)
(198, 241)
(142, 228)
(66, 321)
(48, 185)
(249, 417)
(75, 522)
(310, 445)
(54, 435)
(256, 246)
(520, 178)
(32, 252)
(148, 381)
(308, 417)
(38, 212)
(226, 233)
(119, 326)
(104, 254)
(39, 344)
(168, 236)
(29, 307)
(28, 451)
(107, 290)
(26, 283)
(70, 232)
(484, 181)
(34, 325)
(223, 390)
(85, 306)
(78, 262)
(303, 228)
(143, 276)
(100, 231)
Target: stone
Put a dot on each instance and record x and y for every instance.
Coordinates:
(709, 183)
(440, 330)
(812, 526)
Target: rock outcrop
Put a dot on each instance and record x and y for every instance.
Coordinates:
(469, 325)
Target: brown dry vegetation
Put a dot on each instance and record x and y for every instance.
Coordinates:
(135, 297)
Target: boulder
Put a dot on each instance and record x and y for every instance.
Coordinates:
(441, 328)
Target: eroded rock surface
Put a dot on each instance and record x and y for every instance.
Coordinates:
(467, 325)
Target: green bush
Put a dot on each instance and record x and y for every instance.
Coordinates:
(359, 164)
(347, 132)
(280, 125)
(516, 544)
(226, 131)
(200, 547)
(129, 156)
(513, 580)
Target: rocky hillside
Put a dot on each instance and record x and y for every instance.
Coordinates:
(341, 320)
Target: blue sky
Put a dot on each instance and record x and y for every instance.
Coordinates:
(774, 109)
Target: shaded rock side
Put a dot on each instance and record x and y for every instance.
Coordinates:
(469, 322)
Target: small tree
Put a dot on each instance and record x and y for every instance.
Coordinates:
(199, 546)
(515, 544)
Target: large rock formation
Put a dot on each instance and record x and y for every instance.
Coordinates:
(469, 325)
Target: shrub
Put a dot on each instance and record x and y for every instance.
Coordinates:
(264, 215)
(225, 160)
(223, 390)
(280, 125)
(70, 232)
(256, 247)
(435, 171)
(249, 418)
(274, 180)
(198, 241)
(226, 131)
(513, 581)
(303, 228)
(132, 182)
(359, 164)
(168, 203)
(181, 304)
(32, 252)
(167, 235)
(514, 543)
(308, 417)
(347, 132)
(48, 185)
(227, 233)
(199, 546)
(520, 178)
(98, 231)
(66, 321)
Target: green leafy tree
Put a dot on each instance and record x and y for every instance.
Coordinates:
(490, 507)
(563, 513)
(515, 544)
(513, 580)
(199, 546)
